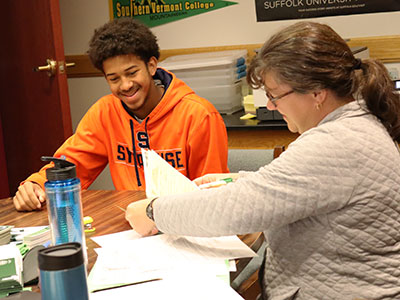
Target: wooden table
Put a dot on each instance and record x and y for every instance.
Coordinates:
(102, 206)
(105, 209)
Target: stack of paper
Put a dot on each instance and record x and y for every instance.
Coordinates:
(38, 237)
(126, 261)
(10, 270)
(5, 234)
(32, 236)
(162, 179)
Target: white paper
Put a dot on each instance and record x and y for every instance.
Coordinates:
(165, 252)
(178, 288)
(169, 246)
(114, 239)
(226, 247)
(161, 256)
(161, 178)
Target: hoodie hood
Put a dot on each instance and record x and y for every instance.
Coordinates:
(175, 91)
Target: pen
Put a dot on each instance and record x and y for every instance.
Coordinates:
(217, 183)
(120, 208)
(125, 284)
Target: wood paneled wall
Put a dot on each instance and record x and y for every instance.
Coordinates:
(384, 48)
(4, 189)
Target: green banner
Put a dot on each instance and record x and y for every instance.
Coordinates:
(158, 12)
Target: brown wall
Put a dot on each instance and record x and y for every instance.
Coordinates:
(384, 48)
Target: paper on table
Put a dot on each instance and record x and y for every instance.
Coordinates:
(114, 239)
(123, 266)
(161, 178)
(164, 252)
(102, 277)
(179, 288)
(225, 247)
(162, 255)
(112, 272)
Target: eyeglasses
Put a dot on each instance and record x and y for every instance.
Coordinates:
(274, 99)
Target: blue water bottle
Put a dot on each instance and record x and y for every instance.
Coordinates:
(64, 205)
(62, 273)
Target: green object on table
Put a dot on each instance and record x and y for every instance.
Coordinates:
(227, 180)
(23, 248)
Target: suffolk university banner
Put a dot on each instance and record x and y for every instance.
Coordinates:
(268, 10)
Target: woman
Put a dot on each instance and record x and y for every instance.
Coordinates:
(329, 206)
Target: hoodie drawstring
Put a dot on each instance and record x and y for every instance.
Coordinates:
(134, 153)
(145, 129)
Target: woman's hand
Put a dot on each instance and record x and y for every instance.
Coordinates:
(136, 216)
(215, 177)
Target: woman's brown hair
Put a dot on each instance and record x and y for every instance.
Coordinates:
(311, 56)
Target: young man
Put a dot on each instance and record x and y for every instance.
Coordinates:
(149, 108)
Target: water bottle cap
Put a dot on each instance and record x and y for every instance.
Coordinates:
(62, 169)
(61, 257)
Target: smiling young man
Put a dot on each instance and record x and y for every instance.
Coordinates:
(148, 108)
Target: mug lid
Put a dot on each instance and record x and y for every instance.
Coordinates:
(61, 257)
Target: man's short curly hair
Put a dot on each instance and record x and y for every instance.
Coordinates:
(119, 37)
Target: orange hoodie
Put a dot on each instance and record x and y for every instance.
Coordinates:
(185, 129)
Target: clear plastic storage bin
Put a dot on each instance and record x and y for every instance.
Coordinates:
(226, 98)
(213, 80)
(210, 71)
(222, 59)
(228, 105)
(216, 76)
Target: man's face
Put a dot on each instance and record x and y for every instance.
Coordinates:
(130, 79)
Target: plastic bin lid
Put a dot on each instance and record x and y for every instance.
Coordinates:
(205, 59)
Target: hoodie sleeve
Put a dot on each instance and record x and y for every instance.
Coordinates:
(208, 146)
(85, 149)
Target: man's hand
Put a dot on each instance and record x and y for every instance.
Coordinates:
(30, 196)
(137, 218)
